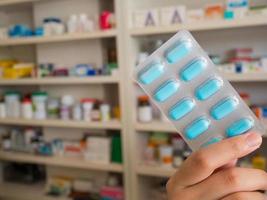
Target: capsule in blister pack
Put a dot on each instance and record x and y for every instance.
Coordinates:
(183, 82)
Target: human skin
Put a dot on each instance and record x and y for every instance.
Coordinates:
(210, 173)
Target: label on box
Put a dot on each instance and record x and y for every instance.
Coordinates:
(145, 18)
(172, 15)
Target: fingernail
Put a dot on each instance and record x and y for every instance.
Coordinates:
(253, 139)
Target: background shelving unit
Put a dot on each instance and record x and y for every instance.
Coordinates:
(111, 125)
(61, 81)
(68, 49)
(214, 36)
(120, 89)
(60, 38)
(202, 26)
(14, 191)
(66, 162)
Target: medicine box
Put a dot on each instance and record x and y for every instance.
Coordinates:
(98, 149)
(172, 15)
(195, 15)
(145, 18)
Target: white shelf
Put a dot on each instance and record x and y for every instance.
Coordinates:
(112, 124)
(26, 192)
(155, 126)
(61, 80)
(202, 25)
(12, 2)
(246, 77)
(59, 161)
(156, 171)
(60, 38)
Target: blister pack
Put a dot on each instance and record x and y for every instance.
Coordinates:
(183, 82)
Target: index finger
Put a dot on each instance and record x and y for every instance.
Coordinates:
(204, 162)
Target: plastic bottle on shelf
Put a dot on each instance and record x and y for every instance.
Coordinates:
(6, 142)
(77, 112)
(259, 162)
(67, 102)
(149, 153)
(116, 112)
(166, 155)
(53, 106)
(72, 24)
(106, 20)
(2, 109)
(29, 134)
(87, 105)
(105, 112)
(178, 148)
(26, 109)
(144, 109)
(12, 100)
(86, 25)
(39, 100)
(95, 114)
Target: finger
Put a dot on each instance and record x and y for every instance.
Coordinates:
(227, 166)
(246, 196)
(230, 181)
(202, 163)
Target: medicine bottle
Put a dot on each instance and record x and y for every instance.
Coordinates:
(87, 106)
(39, 100)
(96, 115)
(144, 109)
(26, 108)
(105, 112)
(2, 109)
(12, 101)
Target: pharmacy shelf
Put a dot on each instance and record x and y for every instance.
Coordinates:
(59, 161)
(112, 124)
(246, 77)
(155, 126)
(156, 171)
(202, 26)
(61, 80)
(59, 38)
(26, 192)
(13, 2)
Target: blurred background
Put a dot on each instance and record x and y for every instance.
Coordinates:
(74, 125)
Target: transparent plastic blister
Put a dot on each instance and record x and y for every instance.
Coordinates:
(183, 82)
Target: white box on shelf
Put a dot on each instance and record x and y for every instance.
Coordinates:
(98, 149)
(146, 17)
(172, 15)
(195, 15)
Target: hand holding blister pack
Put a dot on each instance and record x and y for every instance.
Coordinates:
(185, 85)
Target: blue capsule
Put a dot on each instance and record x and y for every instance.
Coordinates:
(197, 128)
(208, 88)
(178, 52)
(224, 108)
(193, 69)
(151, 73)
(239, 127)
(166, 90)
(181, 109)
